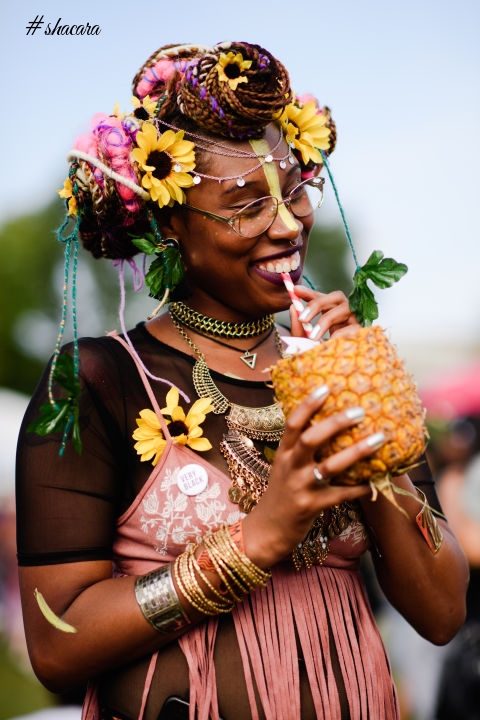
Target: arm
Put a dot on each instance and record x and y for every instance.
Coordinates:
(427, 589)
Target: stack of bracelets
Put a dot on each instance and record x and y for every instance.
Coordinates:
(158, 600)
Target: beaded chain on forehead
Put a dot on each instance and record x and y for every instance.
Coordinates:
(217, 148)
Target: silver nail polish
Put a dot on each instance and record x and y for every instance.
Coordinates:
(320, 392)
(314, 334)
(304, 315)
(355, 413)
(376, 440)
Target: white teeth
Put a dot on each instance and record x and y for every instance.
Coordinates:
(284, 265)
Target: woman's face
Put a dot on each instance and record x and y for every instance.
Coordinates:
(233, 277)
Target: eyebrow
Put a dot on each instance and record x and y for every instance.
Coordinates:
(252, 183)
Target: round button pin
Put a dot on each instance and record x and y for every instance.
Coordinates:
(192, 479)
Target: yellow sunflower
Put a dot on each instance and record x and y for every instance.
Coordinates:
(230, 68)
(145, 108)
(67, 193)
(185, 429)
(165, 162)
(116, 111)
(305, 130)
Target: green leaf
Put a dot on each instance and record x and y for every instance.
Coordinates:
(383, 272)
(147, 244)
(52, 418)
(62, 415)
(166, 271)
(66, 376)
(363, 305)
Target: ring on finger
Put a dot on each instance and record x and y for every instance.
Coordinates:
(319, 478)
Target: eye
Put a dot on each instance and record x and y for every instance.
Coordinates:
(257, 207)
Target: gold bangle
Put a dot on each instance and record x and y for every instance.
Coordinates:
(187, 581)
(237, 573)
(428, 525)
(230, 560)
(158, 600)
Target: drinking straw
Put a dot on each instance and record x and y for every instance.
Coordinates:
(296, 302)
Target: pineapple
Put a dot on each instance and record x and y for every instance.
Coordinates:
(360, 369)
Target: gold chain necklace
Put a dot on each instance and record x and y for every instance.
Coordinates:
(248, 468)
(220, 328)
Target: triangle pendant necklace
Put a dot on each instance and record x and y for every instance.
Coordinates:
(249, 359)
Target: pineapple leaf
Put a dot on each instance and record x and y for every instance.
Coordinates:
(382, 272)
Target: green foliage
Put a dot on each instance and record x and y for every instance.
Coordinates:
(328, 259)
(166, 271)
(28, 253)
(382, 272)
(20, 691)
(62, 416)
(31, 262)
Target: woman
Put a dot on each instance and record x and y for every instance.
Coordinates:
(209, 609)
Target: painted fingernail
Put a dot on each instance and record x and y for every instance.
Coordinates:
(304, 315)
(315, 332)
(355, 413)
(320, 392)
(376, 440)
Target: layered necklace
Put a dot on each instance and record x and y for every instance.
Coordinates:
(248, 467)
(213, 329)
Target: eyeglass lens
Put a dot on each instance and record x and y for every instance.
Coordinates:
(258, 216)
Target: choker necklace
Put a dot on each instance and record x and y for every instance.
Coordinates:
(248, 467)
(220, 328)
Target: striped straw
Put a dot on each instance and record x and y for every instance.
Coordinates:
(296, 302)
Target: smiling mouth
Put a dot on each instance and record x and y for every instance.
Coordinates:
(281, 265)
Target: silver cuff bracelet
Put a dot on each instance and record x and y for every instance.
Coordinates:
(158, 600)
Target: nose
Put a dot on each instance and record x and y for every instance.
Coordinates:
(285, 225)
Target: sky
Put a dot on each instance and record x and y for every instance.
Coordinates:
(401, 79)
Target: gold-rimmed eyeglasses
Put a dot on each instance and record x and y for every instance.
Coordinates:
(258, 216)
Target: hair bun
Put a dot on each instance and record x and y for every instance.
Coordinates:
(234, 90)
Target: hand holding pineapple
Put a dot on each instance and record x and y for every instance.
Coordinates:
(294, 497)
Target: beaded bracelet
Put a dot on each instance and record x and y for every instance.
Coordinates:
(158, 600)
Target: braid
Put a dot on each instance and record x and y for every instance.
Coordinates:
(238, 112)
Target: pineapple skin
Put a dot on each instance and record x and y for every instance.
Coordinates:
(361, 369)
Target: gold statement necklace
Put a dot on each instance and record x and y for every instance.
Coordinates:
(248, 467)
